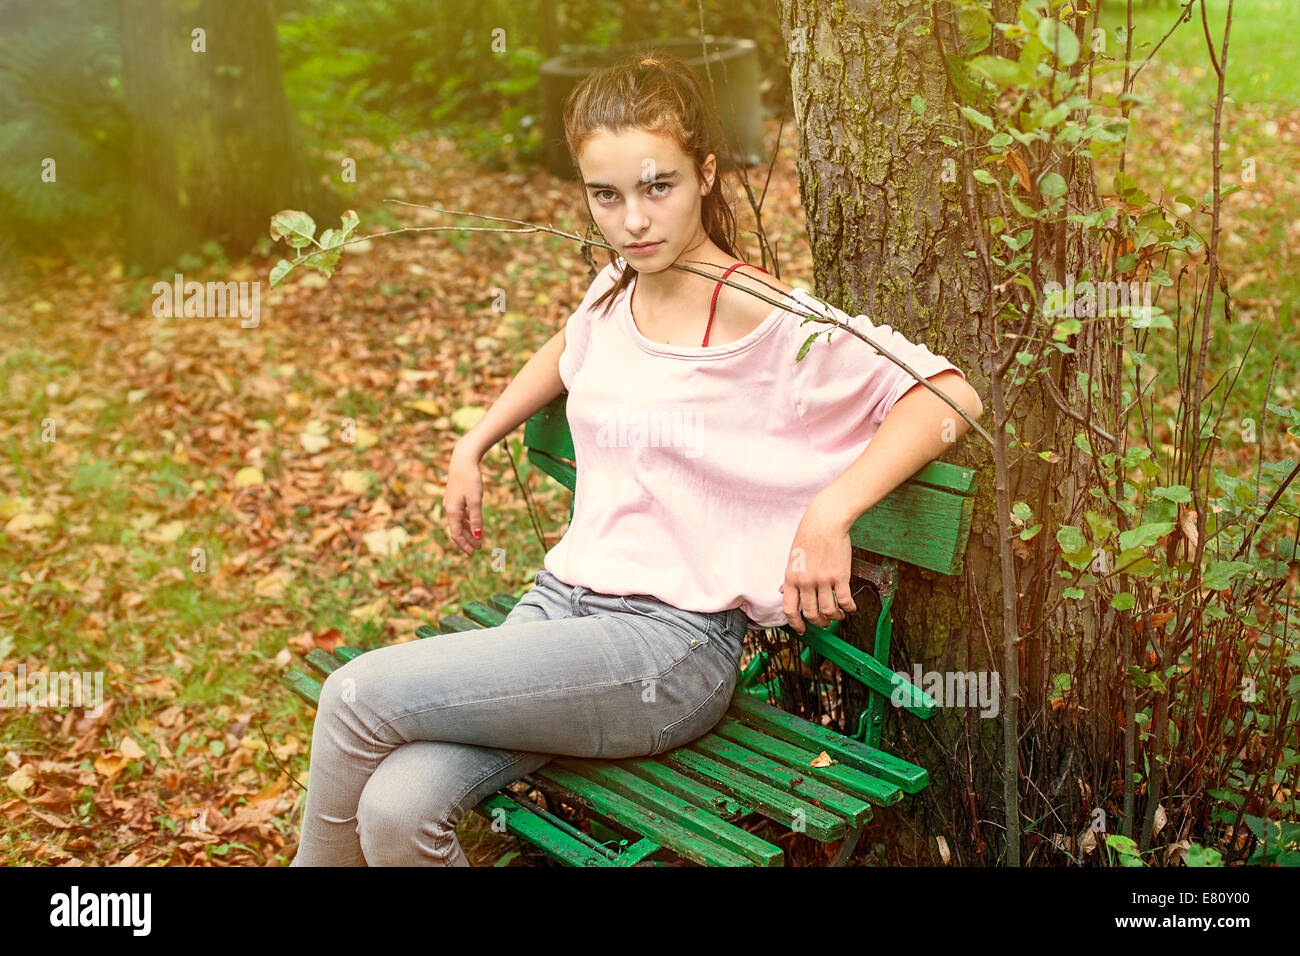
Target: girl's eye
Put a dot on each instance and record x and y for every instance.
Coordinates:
(600, 192)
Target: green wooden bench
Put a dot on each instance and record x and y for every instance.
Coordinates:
(758, 759)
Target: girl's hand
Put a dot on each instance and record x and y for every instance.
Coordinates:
(821, 559)
(463, 500)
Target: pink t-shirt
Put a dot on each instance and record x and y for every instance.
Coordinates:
(696, 465)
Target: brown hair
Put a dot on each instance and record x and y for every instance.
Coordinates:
(656, 92)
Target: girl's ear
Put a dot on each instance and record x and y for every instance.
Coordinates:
(709, 168)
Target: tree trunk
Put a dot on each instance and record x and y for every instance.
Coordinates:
(213, 150)
(889, 224)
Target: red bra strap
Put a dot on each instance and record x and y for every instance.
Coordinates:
(714, 303)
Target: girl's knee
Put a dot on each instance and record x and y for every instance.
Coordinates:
(396, 830)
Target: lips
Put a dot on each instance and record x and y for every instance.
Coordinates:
(644, 247)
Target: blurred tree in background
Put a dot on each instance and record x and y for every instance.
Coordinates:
(382, 70)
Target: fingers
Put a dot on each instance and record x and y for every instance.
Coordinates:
(476, 520)
(812, 606)
(790, 608)
(818, 604)
(844, 598)
(460, 523)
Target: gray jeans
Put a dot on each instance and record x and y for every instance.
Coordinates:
(410, 737)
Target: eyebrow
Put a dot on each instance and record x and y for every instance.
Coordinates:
(668, 174)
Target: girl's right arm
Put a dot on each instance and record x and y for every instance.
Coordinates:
(536, 385)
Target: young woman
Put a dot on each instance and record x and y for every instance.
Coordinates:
(717, 481)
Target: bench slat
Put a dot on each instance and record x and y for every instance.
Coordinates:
(776, 722)
(873, 789)
(617, 807)
(323, 661)
(918, 524)
(864, 668)
(792, 780)
(720, 804)
(766, 799)
(483, 614)
(674, 808)
(551, 840)
(304, 685)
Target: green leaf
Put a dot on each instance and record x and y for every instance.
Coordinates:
(1031, 532)
(1059, 39)
(803, 349)
(999, 140)
(294, 226)
(984, 176)
(1065, 328)
(1198, 855)
(978, 118)
(1053, 184)
(1071, 539)
(1123, 601)
(1022, 511)
(1000, 72)
(323, 262)
(1180, 494)
(1074, 594)
(350, 222)
(282, 269)
(1054, 117)
(918, 105)
(1219, 575)
(1145, 535)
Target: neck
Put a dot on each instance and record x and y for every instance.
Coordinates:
(677, 285)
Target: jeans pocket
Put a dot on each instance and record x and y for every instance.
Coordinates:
(699, 721)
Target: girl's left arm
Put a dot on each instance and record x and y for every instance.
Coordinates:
(916, 430)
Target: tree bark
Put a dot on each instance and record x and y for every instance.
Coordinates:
(213, 149)
(889, 225)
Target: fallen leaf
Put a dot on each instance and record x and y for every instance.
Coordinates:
(28, 520)
(365, 438)
(110, 765)
(20, 781)
(248, 476)
(366, 611)
(272, 585)
(355, 482)
(171, 530)
(289, 748)
(465, 418)
(328, 640)
(130, 749)
(428, 406)
(313, 443)
(823, 759)
(386, 541)
(170, 716)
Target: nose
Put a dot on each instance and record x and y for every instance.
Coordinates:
(635, 221)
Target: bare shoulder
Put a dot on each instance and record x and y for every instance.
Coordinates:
(744, 311)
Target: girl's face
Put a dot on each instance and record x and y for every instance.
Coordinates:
(641, 188)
